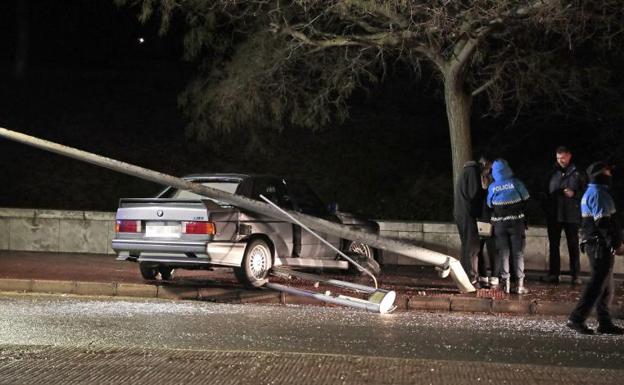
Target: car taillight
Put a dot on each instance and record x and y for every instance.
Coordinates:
(198, 228)
(128, 226)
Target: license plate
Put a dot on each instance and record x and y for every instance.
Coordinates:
(163, 231)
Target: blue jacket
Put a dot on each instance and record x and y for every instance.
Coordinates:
(598, 214)
(506, 195)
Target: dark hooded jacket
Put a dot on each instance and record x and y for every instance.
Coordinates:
(560, 208)
(468, 192)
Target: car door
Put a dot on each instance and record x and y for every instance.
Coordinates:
(279, 230)
(304, 200)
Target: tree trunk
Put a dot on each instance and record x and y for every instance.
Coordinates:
(458, 105)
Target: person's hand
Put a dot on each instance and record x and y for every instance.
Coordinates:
(620, 250)
(568, 192)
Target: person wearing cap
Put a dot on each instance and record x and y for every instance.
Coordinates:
(507, 195)
(467, 207)
(601, 238)
(562, 206)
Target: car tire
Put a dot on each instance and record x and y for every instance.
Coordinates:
(149, 271)
(364, 255)
(354, 247)
(256, 264)
(166, 272)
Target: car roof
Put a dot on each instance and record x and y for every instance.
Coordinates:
(227, 176)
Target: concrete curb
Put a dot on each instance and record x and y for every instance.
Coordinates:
(446, 303)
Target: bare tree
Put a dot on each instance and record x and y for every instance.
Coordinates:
(275, 63)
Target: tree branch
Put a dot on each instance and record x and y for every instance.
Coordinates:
(486, 85)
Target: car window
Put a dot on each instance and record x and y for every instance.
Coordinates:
(305, 199)
(173, 193)
(273, 189)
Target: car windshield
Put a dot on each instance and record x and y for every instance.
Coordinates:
(227, 186)
(307, 201)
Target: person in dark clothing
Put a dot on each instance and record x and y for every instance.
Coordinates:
(565, 188)
(466, 209)
(507, 196)
(489, 268)
(601, 238)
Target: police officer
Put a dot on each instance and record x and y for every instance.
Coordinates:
(601, 237)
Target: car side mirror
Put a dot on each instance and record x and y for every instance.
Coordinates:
(332, 208)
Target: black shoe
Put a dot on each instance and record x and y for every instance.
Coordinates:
(579, 327)
(610, 329)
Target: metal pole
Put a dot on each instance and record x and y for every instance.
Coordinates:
(375, 240)
(340, 300)
(329, 281)
(306, 228)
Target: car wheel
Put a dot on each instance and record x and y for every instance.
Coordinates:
(256, 264)
(364, 255)
(149, 271)
(166, 273)
(361, 249)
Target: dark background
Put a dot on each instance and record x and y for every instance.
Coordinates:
(90, 84)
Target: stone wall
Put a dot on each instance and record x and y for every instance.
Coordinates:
(56, 231)
(443, 237)
(92, 232)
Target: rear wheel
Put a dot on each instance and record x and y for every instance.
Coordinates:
(166, 273)
(256, 264)
(149, 271)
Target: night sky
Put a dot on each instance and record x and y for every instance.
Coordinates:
(90, 82)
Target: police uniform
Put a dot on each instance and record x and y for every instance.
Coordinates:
(600, 236)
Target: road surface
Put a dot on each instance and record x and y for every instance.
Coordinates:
(54, 339)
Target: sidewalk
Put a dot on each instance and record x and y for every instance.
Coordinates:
(418, 288)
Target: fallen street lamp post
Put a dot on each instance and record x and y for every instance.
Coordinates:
(445, 264)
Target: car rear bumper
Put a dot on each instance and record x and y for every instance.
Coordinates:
(158, 246)
(215, 253)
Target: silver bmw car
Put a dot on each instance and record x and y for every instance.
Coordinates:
(180, 229)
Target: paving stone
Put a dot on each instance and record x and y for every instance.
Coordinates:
(429, 303)
(56, 287)
(17, 285)
(136, 290)
(514, 306)
(469, 304)
(95, 288)
(155, 366)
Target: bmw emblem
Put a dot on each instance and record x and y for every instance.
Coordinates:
(159, 213)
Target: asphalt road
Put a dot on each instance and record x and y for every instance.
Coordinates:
(102, 332)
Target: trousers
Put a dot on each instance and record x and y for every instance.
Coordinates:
(510, 241)
(599, 290)
(571, 231)
(469, 237)
(488, 258)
